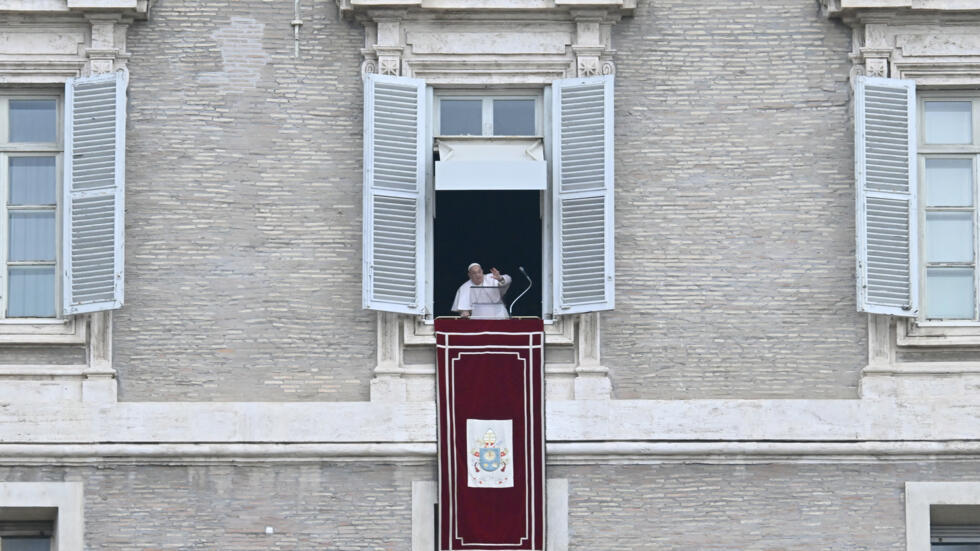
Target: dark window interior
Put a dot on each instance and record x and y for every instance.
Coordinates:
(499, 229)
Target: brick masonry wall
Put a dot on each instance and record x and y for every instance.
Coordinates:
(827, 507)
(318, 506)
(243, 207)
(45, 354)
(842, 507)
(734, 204)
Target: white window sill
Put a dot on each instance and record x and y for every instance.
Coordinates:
(420, 330)
(70, 330)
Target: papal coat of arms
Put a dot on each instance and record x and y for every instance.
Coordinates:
(489, 462)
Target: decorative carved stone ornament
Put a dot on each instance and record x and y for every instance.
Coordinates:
(50, 41)
(488, 42)
(935, 42)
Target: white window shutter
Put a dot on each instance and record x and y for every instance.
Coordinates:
(582, 164)
(887, 248)
(92, 207)
(394, 193)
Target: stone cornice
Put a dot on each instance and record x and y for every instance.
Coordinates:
(421, 453)
(136, 9)
(460, 43)
(887, 8)
(348, 7)
(932, 41)
(879, 419)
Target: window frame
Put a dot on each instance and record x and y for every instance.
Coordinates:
(27, 529)
(935, 327)
(542, 114)
(66, 497)
(919, 496)
(58, 325)
(488, 96)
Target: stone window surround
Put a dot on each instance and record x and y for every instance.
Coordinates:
(459, 44)
(920, 495)
(425, 496)
(395, 381)
(911, 39)
(66, 497)
(47, 43)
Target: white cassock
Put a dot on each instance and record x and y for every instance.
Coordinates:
(483, 301)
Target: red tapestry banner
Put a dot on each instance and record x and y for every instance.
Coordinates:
(491, 434)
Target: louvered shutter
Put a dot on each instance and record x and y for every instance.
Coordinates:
(887, 249)
(582, 164)
(92, 222)
(394, 193)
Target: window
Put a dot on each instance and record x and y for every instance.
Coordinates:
(954, 527)
(30, 159)
(575, 120)
(917, 162)
(61, 202)
(41, 516)
(512, 114)
(942, 516)
(489, 167)
(26, 533)
(949, 150)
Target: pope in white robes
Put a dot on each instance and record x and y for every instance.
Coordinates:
(481, 296)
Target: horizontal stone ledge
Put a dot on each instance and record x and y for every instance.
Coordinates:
(559, 453)
(598, 421)
(570, 453)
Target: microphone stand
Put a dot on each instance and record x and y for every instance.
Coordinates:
(529, 285)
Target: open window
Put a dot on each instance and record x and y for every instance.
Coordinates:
(917, 159)
(61, 199)
(524, 177)
(887, 245)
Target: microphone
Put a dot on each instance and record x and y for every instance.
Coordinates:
(529, 285)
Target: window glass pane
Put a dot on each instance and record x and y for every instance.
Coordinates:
(956, 547)
(461, 117)
(950, 293)
(513, 117)
(32, 181)
(33, 120)
(949, 236)
(948, 122)
(31, 292)
(26, 544)
(32, 236)
(949, 182)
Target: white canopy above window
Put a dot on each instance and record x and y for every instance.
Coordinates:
(491, 164)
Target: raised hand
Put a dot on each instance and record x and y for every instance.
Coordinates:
(496, 274)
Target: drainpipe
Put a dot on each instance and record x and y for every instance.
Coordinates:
(296, 23)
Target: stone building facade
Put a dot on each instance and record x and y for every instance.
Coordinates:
(734, 398)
